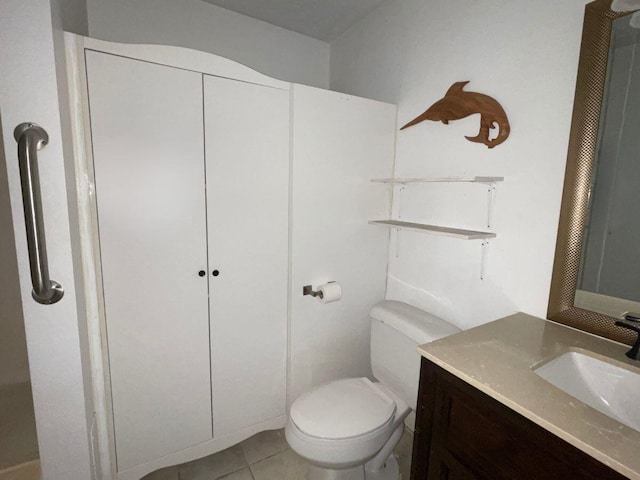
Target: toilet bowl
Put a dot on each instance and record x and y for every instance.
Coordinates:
(357, 419)
(347, 429)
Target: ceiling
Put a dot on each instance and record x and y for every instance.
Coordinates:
(321, 19)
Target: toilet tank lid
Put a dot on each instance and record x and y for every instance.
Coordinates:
(421, 326)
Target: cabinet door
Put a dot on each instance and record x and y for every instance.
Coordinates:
(247, 151)
(443, 466)
(147, 133)
(340, 142)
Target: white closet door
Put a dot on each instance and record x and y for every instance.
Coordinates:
(147, 132)
(247, 151)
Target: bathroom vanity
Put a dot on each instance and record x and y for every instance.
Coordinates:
(486, 412)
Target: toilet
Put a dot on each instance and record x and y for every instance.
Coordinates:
(347, 429)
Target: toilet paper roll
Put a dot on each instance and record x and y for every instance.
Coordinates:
(331, 292)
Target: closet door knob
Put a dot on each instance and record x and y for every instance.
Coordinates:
(202, 273)
(215, 273)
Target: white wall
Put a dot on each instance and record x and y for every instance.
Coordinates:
(30, 85)
(73, 14)
(195, 24)
(14, 364)
(523, 53)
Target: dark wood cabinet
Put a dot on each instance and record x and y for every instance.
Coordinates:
(463, 434)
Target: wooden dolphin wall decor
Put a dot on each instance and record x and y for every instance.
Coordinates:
(458, 104)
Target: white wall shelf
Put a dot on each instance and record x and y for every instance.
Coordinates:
(404, 181)
(439, 230)
(435, 230)
(486, 180)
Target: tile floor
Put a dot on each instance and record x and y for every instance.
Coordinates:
(265, 456)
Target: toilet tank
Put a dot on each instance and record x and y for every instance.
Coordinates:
(396, 331)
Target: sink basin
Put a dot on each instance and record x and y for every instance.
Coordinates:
(608, 388)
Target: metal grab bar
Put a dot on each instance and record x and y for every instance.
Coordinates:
(31, 138)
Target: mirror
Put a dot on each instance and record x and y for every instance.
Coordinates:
(610, 263)
(596, 275)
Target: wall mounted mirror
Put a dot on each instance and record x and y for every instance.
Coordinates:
(596, 274)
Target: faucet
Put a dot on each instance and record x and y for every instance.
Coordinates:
(634, 353)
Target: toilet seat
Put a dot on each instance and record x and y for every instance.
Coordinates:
(344, 423)
(343, 409)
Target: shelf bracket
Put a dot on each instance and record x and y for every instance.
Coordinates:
(483, 258)
(401, 189)
(491, 197)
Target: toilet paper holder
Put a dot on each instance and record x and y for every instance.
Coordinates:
(308, 290)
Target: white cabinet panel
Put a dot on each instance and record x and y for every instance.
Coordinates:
(247, 152)
(147, 132)
(340, 143)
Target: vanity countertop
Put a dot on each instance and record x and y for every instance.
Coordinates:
(497, 359)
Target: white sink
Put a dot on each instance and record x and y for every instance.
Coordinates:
(610, 389)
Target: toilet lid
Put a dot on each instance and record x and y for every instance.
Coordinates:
(342, 409)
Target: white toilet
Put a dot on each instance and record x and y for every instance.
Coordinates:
(347, 429)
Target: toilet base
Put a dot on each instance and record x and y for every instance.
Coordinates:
(317, 473)
(390, 471)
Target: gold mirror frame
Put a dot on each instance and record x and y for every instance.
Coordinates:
(592, 75)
